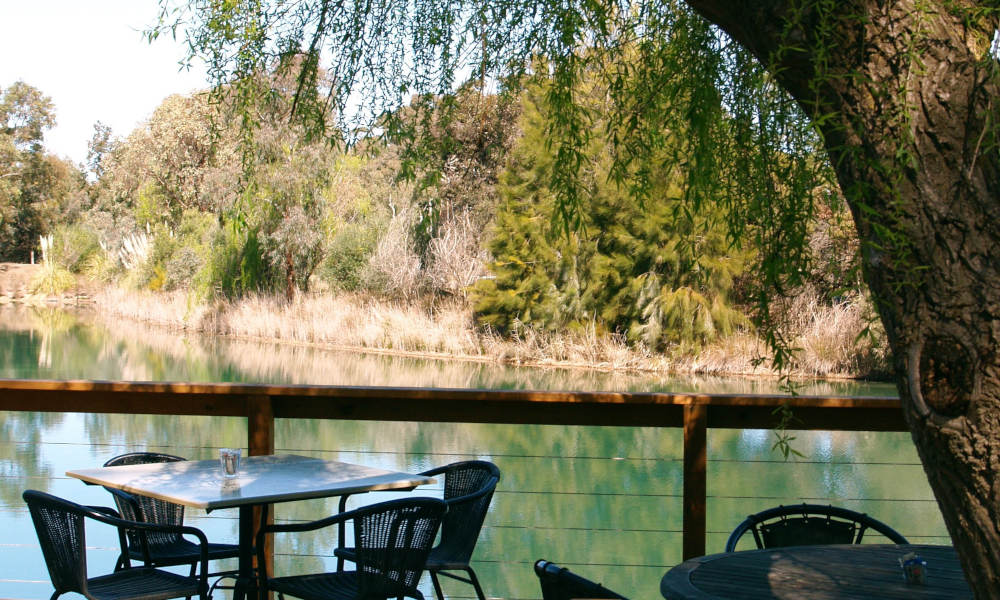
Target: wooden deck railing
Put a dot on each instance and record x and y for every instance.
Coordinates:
(262, 404)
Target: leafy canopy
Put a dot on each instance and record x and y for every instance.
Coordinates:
(745, 146)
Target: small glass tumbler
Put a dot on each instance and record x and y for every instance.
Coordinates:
(914, 569)
(229, 460)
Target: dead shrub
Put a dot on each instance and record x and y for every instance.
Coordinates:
(457, 259)
(394, 268)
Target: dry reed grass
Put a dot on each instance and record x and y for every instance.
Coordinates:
(826, 336)
(828, 342)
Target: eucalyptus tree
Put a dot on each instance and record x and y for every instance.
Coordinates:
(900, 96)
(25, 114)
(36, 188)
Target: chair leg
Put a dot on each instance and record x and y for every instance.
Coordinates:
(475, 583)
(437, 586)
(471, 579)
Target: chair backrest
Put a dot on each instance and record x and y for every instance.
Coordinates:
(143, 508)
(60, 529)
(809, 524)
(392, 541)
(468, 490)
(562, 584)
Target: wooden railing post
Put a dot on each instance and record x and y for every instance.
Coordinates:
(260, 425)
(260, 442)
(695, 457)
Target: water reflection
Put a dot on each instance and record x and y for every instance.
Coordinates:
(606, 500)
(76, 347)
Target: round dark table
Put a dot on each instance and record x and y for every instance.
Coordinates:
(834, 572)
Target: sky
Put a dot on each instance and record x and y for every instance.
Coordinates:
(90, 58)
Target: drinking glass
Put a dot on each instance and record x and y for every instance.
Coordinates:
(229, 460)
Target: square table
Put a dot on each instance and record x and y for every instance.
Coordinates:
(262, 480)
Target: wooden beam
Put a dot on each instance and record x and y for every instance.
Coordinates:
(695, 461)
(260, 425)
(448, 405)
(260, 442)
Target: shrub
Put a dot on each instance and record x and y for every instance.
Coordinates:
(52, 278)
(73, 245)
(457, 260)
(100, 266)
(294, 247)
(394, 268)
(151, 273)
(349, 252)
(236, 266)
(182, 268)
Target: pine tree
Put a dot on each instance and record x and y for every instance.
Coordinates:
(627, 267)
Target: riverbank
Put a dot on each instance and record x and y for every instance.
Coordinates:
(16, 288)
(827, 338)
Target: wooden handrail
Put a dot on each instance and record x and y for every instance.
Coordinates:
(262, 404)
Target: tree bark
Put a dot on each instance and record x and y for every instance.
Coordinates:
(904, 96)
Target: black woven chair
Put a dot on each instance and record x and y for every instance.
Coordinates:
(391, 544)
(468, 490)
(562, 584)
(809, 524)
(159, 549)
(61, 534)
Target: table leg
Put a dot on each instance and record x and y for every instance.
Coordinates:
(246, 581)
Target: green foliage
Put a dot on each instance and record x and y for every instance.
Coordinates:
(465, 137)
(25, 114)
(100, 266)
(179, 258)
(150, 207)
(99, 146)
(74, 246)
(348, 255)
(36, 189)
(834, 252)
(529, 257)
(237, 265)
(187, 266)
(51, 279)
(182, 268)
(166, 165)
(291, 178)
(679, 99)
(638, 271)
(523, 289)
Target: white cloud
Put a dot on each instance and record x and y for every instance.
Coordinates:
(91, 59)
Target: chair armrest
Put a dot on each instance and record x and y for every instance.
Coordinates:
(338, 519)
(308, 526)
(107, 516)
(106, 510)
(434, 471)
(486, 489)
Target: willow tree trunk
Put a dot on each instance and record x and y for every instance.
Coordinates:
(905, 94)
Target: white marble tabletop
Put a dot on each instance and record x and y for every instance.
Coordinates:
(262, 480)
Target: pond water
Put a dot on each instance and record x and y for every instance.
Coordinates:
(605, 501)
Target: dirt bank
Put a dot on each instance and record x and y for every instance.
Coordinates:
(15, 288)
